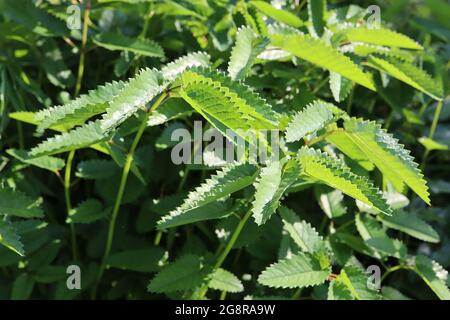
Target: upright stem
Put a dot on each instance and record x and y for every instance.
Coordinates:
(437, 114)
(120, 192)
(228, 248)
(87, 11)
(67, 175)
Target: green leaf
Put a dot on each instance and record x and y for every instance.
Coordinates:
(10, 239)
(395, 200)
(321, 54)
(390, 293)
(165, 141)
(338, 291)
(116, 41)
(77, 138)
(77, 111)
(173, 69)
(96, 169)
(53, 63)
(387, 246)
(248, 46)
(230, 179)
(409, 74)
(273, 181)
(379, 36)
(352, 284)
(136, 94)
(45, 162)
(431, 144)
(209, 211)
(340, 86)
(87, 212)
(173, 109)
(384, 151)
(312, 118)
(186, 273)
(334, 173)
(303, 234)
(140, 260)
(375, 237)
(22, 287)
(224, 102)
(16, 203)
(302, 270)
(412, 225)
(368, 227)
(434, 276)
(225, 281)
(29, 117)
(278, 14)
(317, 10)
(330, 201)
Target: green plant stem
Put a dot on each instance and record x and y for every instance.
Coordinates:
(158, 238)
(87, 11)
(147, 17)
(227, 249)
(350, 101)
(321, 84)
(67, 178)
(297, 294)
(437, 114)
(393, 269)
(121, 190)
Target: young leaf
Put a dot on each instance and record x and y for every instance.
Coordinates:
(116, 41)
(336, 174)
(225, 281)
(248, 46)
(319, 53)
(311, 119)
(302, 270)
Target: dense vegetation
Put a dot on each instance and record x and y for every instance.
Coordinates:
(353, 206)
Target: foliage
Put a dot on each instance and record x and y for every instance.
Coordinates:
(361, 177)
